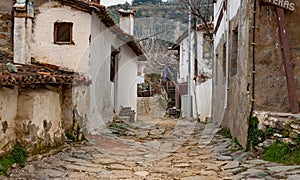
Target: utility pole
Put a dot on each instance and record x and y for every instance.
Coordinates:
(189, 102)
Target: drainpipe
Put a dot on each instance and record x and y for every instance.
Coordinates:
(253, 59)
(227, 55)
(189, 106)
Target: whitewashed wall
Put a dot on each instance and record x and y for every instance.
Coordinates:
(127, 79)
(197, 92)
(69, 56)
(233, 6)
(204, 98)
(8, 112)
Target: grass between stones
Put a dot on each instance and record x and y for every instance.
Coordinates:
(284, 153)
(18, 155)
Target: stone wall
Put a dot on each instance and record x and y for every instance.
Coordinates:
(6, 26)
(39, 119)
(233, 114)
(271, 88)
(8, 111)
(284, 127)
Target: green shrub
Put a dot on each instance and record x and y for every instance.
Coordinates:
(270, 132)
(18, 155)
(278, 152)
(226, 133)
(255, 136)
(296, 156)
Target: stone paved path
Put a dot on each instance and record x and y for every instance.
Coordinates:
(155, 147)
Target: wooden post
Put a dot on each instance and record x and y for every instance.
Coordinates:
(287, 60)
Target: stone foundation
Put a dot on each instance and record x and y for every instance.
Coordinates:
(284, 127)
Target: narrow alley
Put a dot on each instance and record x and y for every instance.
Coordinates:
(155, 147)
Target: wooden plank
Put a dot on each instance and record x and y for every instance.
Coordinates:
(287, 60)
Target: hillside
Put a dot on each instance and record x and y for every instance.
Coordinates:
(166, 21)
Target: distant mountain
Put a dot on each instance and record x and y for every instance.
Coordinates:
(164, 20)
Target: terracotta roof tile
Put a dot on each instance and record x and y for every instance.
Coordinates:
(37, 73)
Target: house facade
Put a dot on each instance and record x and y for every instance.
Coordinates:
(97, 48)
(86, 69)
(200, 69)
(249, 66)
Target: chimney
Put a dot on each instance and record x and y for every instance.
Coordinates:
(96, 1)
(127, 20)
(23, 15)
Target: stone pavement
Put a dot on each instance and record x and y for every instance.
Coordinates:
(155, 147)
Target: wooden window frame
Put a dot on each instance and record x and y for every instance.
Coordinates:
(60, 24)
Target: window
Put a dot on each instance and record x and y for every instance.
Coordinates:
(234, 52)
(224, 59)
(113, 64)
(63, 33)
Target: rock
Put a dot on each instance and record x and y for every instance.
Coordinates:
(208, 173)
(157, 131)
(141, 134)
(142, 173)
(118, 167)
(231, 165)
(293, 177)
(277, 135)
(266, 143)
(182, 165)
(220, 148)
(295, 126)
(84, 156)
(292, 172)
(154, 144)
(280, 175)
(293, 135)
(192, 178)
(234, 171)
(288, 140)
(224, 158)
(53, 173)
(254, 173)
(277, 169)
(242, 156)
(256, 161)
(1, 168)
(83, 169)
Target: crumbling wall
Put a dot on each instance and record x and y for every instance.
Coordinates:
(271, 87)
(234, 114)
(283, 127)
(6, 26)
(39, 120)
(75, 107)
(8, 111)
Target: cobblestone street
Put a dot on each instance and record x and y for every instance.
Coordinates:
(155, 147)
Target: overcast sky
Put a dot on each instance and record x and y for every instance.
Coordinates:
(113, 2)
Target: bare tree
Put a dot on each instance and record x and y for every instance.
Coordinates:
(202, 10)
(154, 37)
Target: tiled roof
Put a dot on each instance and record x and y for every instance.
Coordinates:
(37, 74)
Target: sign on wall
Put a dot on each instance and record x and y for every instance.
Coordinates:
(285, 4)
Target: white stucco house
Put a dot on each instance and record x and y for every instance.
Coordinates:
(82, 37)
(200, 70)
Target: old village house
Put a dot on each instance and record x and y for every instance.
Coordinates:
(250, 70)
(75, 67)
